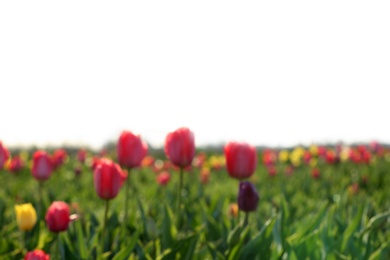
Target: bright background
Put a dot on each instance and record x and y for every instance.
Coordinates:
(269, 73)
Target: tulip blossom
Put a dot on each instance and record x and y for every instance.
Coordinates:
(81, 155)
(315, 173)
(4, 154)
(241, 159)
(58, 158)
(42, 166)
(233, 210)
(108, 179)
(204, 175)
(16, 164)
(131, 149)
(58, 217)
(163, 178)
(37, 254)
(180, 147)
(26, 216)
(248, 197)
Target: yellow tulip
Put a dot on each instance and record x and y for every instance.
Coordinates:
(26, 216)
(283, 156)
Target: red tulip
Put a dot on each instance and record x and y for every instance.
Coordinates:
(16, 164)
(163, 178)
(4, 154)
(131, 149)
(42, 166)
(248, 197)
(58, 158)
(241, 159)
(315, 173)
(81, 155)
(37, 254)
(108, 179)
(180, 147)
(57, 216)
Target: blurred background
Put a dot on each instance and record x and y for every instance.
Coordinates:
(271, 74)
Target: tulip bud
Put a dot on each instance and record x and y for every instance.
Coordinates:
(4, 155)
(26, 216)
(42, 166)
(57, 216)
(233, 210)
(248, 197)
(241, 159)
(131, 149)
(180, 147)
(37, 254)
(108, 179)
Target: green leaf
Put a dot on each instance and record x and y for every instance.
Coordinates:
(81, 245)
(261, 243)
(168, 229)
(351, 229)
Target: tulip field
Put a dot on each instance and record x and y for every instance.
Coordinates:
(185, 202)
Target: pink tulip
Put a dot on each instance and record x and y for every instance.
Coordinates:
(108, 179)
(241, 159)
(180, 147)
(4, 155)
(42, 166)
(58, 217)
(131, 149)
(36, 254)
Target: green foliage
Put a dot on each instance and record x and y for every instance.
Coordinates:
(298, 217)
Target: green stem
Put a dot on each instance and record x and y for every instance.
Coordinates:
(105, 224)
(179, 207)
(127, 194)
(40, 194)
(246, 219)
(60, 247)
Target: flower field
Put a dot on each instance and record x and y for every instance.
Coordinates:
(184, 202)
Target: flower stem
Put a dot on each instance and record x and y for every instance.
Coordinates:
(105, 224)
(40, 205)
(127, 194)
(179, 207)
(246, 219)
(60, 247)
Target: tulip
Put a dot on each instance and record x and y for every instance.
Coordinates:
(163, 178)
(58, 158)
(241, 159)
(57, 217)
(37, 254)
(108, 179)
(131, 149)
(16, 164)
(81, 155)
(315, 173)
(4, 155)
(180, 147)
(26, 216)
(42, 166)
(204, 175)
(233, 210)
(248, 197)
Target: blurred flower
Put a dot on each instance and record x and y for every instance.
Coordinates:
(180, 147)
(269, 157)
(15, 164)
(81, 155)
(241, 159)
(58, 158)
(248, 197)
(204, 175)
(296, 156)
(77, 171)
(108, 179)
(163, 178)
(271, 171)
(36, 254)
(26, 216)
(199, 160)
(353, 188)
(42, 167)
(4, 154)
(283, 156)
(313, 149)
(315, 173)
(313, 162)
(216, 162)
(233, 210)
(57, 216)
(147, 161)
(307, 157)
(289, 170)
(131, 149)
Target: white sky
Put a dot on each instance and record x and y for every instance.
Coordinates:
(269, 73)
